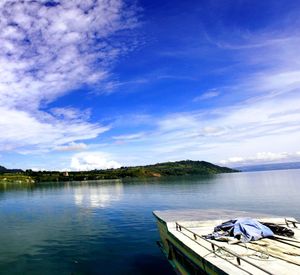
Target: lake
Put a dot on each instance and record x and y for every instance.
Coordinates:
(108, 227)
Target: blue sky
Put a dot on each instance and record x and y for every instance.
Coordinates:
(100, 84)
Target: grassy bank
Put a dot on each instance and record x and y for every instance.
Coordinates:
(15, 178)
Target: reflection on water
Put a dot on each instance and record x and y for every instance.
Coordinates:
(9, 186)
(98, 197)
(107, 227)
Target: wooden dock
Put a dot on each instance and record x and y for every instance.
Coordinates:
(190, 253)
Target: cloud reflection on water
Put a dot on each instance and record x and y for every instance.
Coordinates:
(98, 196)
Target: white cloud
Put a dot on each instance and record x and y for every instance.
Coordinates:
(258, 112)
(178, 121)
(257, 116)
(93, 160)
(211, 130)
(22, 129)
(207, 95)
(232, 133)
(72, 146)
(135, 136)
(71, 113)
(49, 48)
(263, 157)
(256, 119)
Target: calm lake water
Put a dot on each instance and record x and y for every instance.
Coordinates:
(108, 227)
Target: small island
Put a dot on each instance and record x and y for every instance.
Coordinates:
(165, 169)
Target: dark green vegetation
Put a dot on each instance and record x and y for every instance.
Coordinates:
(179, 168)
(5, 170)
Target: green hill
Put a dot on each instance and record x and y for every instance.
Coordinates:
(187, 167)
(5, 170)
(13, 176)
(178, 168)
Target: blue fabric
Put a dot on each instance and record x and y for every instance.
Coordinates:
(246, 229)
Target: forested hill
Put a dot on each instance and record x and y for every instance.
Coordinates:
(185, 167)
(5, 170)
(179, 168)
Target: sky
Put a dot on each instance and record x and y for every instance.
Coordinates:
(99, 84)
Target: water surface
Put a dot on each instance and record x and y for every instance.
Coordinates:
(108, 227)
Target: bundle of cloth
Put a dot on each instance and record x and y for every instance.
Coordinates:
(244, 230)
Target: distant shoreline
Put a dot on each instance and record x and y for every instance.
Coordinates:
(269, 167)
(179, 168)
